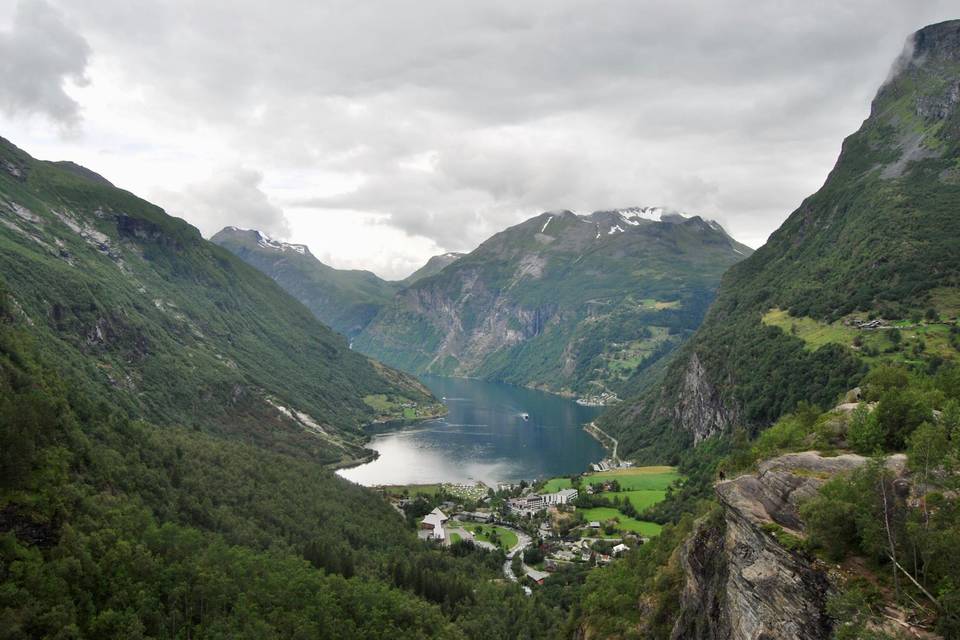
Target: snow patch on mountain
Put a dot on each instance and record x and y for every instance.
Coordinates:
(266, 242)
(635, 214)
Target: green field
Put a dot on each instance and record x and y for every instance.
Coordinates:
(454, 538)
(643, 486)
(411, 489)
(641, 499)
(602, 514)
(637, 478)
(508, 539)
(815, 334)
(556, 484)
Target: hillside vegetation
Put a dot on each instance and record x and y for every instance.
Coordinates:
(176, 329)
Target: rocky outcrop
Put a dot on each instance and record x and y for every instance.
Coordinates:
(741, 582)
(699, 409)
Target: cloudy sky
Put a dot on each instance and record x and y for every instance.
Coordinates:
(382, 132)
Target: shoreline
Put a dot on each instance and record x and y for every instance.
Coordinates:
(376, 428)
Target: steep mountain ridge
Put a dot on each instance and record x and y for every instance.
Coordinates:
(345, 300)
(178, 330)
(571, 303)
(879, 241)
(434, 265)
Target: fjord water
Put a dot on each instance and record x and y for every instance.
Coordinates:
(484, 437)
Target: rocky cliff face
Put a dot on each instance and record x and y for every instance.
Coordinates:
(700, 410)
(741, 582)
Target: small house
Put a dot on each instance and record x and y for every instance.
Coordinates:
(537, 576)
(434, 522)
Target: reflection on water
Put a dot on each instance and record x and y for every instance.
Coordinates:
(484, 437)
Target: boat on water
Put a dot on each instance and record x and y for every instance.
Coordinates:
(525, 416)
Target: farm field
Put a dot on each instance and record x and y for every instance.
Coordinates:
(642, 486)
(556, 484)
(637, 478)
(627, 525)
(481, 532)
(640, 499)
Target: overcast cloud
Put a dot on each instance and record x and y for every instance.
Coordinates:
(380, 133)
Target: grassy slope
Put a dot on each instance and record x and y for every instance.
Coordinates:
(508, 539)
(642, 486)
(624, 523)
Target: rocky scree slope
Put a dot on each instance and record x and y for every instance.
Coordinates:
(880, 239)
(570, 303)
(175, 329)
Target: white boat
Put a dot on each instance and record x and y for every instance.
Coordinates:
(525, 416)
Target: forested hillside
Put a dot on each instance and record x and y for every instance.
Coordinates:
(866, 270)
(165, 415)
(179, 330)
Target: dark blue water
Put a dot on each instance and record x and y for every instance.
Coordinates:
(484, 437)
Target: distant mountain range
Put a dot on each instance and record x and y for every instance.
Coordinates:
(570, 303)
(345, 300)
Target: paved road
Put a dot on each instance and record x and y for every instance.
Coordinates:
(523, 541)
(616, 443)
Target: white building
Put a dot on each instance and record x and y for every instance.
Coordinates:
(564, 496)
(434, 522)
(528, 505)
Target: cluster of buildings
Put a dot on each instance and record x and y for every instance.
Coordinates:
(580, 551)
(607, 464)
(536, 502)
(605, 398)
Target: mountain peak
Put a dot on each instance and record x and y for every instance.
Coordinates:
(259, 238)
(941, 40)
